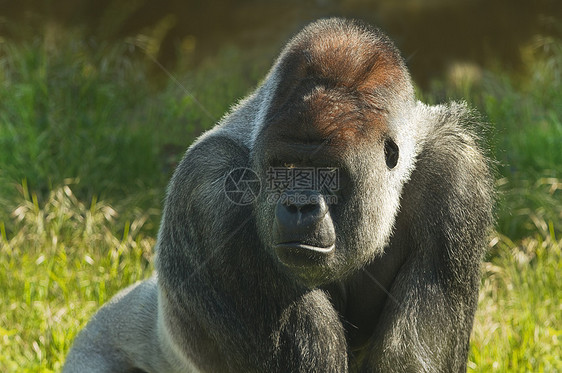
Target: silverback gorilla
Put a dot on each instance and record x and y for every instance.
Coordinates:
(378, 273)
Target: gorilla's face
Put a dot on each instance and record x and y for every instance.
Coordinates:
(333, 149)
(331, 185)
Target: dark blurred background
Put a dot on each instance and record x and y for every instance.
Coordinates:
(431, 33)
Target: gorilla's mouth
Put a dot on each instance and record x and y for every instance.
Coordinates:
(301, 254)
(303, 231)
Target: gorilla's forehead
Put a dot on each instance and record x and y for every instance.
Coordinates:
(347, 61)
(345, 55)
(338, 82)
(319, 113)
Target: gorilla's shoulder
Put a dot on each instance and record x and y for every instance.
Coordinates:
(215, 151)
(453, 172)
(452, 124)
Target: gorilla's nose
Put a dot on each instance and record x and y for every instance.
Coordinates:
(303, 231)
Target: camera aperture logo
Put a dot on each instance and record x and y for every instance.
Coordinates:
(242, 186)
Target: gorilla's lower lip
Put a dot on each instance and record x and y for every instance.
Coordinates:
(303, 255)
(301, 245)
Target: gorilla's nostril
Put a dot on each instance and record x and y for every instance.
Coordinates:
(292, 208)
(309, 209)
(300, 209)
(306, 203)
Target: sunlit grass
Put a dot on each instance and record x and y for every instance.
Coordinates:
(63, 262)
(518, 327)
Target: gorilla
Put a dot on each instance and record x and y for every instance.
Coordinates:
(374, 266)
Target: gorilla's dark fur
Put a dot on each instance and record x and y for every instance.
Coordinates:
(384, 280)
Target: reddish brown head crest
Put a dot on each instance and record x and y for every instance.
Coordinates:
(335, 82)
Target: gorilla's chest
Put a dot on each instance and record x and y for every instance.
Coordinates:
(359, 302)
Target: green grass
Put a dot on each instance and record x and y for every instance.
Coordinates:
(79, 121)
(63, 262)
(518, 327)
(72, 113)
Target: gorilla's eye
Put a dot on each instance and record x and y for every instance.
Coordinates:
(390, 153)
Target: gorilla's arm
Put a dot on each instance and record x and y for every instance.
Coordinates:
(442, 225)
(122, 335)
(227, 304)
